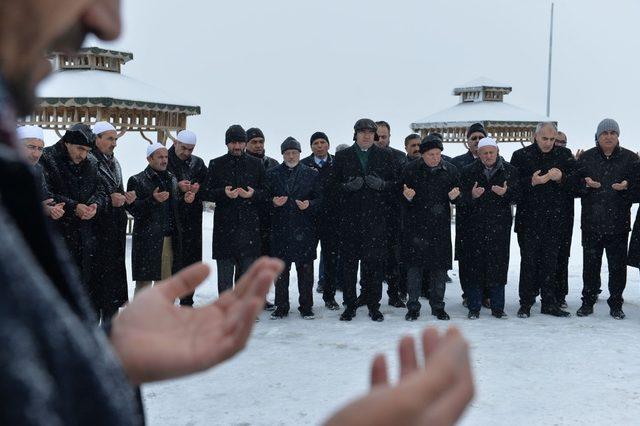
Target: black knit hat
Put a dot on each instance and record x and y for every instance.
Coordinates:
(290, 143)
(477, 127)
(253, 133)
(319, 135)
(76, 137)
(235, 133)
(86, 130)
(433, 140)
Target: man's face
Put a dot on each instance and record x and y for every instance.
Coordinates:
(488, 155)
(77, 153)
(608, 140)
(159, 160)
(45, 26)
(291, 157)
(383, 137)
(183, 150)
(364, 138)
(107, 142)
(561, 139)
(432, 157)
(472, 142)
(413, 148)
(320, 148)
(255, 146)
(32, 150)
(236, 148)
(546, 138)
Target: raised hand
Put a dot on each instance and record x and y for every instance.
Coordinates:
(500, 190)
(117, 199)
(454, 193)
(280, 201)
(477, 191)
(189, 197)
(184, 185)
(246, 194)
(592, 183)
(555, 174)
(130, 196)
(622, 186)
(354, 184)
(408, 193)
(160, 196)
(436, 394)
(302, 205)
(578, 154)
(230, 192)
(157, 340)
(538, 179)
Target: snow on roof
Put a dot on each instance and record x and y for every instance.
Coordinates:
(467, 113)
(100, 84)
(482, 82)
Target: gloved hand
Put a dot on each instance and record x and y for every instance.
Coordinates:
(375, 183)
(353, 184)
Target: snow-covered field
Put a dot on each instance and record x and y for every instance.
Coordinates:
(541, 370)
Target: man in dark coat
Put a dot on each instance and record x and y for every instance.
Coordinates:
(235, 182)
(110, 273)
(191, 174)
(566, 235)
(366, 177)
(429, 186)
(72, 178)
(545, 174)
(412, 146)
(156, 242)
(326, 219)
(607, 176)
(294, 191)
(475, 132)
(489, 188)
(395, 284)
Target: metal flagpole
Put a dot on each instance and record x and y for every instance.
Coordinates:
(550, 57)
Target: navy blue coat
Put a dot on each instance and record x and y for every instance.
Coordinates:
(293, 235)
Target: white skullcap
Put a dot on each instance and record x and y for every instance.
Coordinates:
(153, 148)
(487, 142)
(187, 137)
(30, 132)
(101, 127)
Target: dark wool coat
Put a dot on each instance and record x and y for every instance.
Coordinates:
(190, 215)
(363, 213)
(461, 161)
(293, 234)
(488, 220)
(236, 222)
(149, 224)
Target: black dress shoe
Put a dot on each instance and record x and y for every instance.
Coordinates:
(555, 311)
(348, 315)
(617, 313)
(498, 313)
(473, 315)
(307, 314)
(441, 315)
(332, 305)
(396, 302)
(524, 312)
(412, 315)
(279, 313)
(268, 306)
(376, 315)
(585, 310)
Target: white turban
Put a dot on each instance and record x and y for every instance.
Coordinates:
(101, 127)
(30, 132)
(153, 148)
(487, 142)
(187, 137)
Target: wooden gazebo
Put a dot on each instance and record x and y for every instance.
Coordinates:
(481, 101)
(89, 86)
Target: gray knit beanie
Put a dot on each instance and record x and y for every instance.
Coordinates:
(608, 125)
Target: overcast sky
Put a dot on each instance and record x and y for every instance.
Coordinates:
(293, 67)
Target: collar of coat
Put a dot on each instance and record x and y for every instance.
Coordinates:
(443, 165)
(498, 166)
(615, 152)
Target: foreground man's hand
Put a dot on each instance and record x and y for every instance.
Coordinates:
(436, 394)
(157, 340)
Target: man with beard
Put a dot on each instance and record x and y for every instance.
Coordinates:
(255, 148)
(608, 175)
(72, 178)
(546, 175)
(322, 161)
(294, 191)
(366, 177)
(489, 189)
(191, 173)
(429, 186)
(157, 236)
(412, 146)
(235, 182)
(110, 273)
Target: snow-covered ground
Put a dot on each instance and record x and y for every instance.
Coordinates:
(541, 370)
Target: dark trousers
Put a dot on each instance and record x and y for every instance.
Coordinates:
(226, 270)
(562, 277)
(370, 280)
(616, 249)
(329, 266)
(539, 257)
(392, 272)
(305, 286)
(437, 286)
(476, 293)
